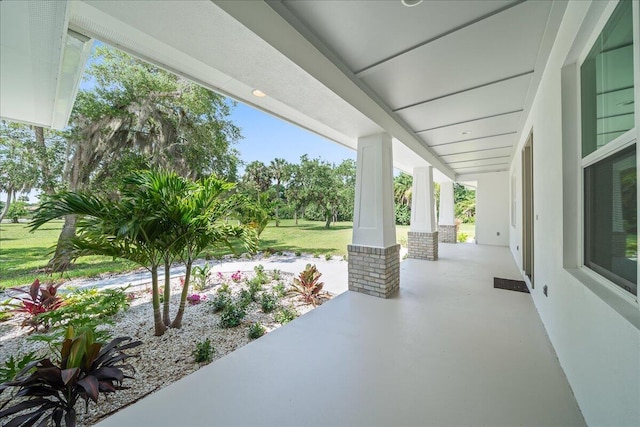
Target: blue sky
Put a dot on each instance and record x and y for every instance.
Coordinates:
(267, 137)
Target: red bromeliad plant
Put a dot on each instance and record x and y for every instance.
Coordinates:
(37, 300)
(307, 285)
(51, 389)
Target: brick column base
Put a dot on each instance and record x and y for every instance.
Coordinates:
(423, 245)
(374, 271)
(448, 233)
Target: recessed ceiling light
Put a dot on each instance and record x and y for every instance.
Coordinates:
(411, 3)
(466, 132)
(624, 103)
(258, 93)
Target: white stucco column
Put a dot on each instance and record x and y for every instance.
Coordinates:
(423, 218)
(422, 239)
(374, 256)
(374, 216)
(447, 229)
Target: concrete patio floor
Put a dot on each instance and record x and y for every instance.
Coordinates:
(447, 350)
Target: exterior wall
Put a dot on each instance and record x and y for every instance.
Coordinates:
(596, 338)
(492, 209)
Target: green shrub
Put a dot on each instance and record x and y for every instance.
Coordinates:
(462, 237)
(280, 290)
(403, 214)
(298, 253)
(232, 314)
(268, 302)
(261, 276)
(285, 315)
(200, 276)
(327, 257)
(255, 286)
(203, 352)
(87, 307)
(5, 315)
(221, 299)
(245, 298)
(14, 365)
(275, 275)
(256, 330)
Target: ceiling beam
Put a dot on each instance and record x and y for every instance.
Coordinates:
(323, 65)
(426, 101)
(469, 121)
(368, 69)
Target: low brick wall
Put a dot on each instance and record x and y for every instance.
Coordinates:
(422, 245)
(448, 233)
(374, 271)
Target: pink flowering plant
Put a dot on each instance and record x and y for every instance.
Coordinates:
(237, 276)
(196, 298)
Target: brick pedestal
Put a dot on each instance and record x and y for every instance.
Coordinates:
(374, 271)
(448, 233)
(423, 245)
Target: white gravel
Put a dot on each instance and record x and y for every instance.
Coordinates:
(164, 359)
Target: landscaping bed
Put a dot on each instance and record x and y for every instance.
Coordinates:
(167, 358)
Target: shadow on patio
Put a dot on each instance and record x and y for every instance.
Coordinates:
(447, 350)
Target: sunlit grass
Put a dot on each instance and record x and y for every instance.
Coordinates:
(24, 255)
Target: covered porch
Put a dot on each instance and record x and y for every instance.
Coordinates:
(447, 349)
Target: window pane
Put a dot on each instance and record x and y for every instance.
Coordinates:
(607, 83)
(610, 219)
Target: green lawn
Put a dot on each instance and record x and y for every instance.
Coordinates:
(469, 229)
(23, 254)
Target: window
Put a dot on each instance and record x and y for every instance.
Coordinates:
(609, 152)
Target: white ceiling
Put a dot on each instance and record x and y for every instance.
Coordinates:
(31, 45)
(451, 81)
(460, 74)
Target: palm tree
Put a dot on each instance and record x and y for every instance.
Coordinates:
(123, 229)
(402, 189)
(278, 169)
(199, 224)
(159, 217)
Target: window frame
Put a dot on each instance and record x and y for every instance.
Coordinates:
(622, 142)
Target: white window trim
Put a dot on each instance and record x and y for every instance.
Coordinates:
(622, 301)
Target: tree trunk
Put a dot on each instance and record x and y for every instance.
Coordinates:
(158, 324)
(45, 171)
(62, 258)
(277, 217)
(328, 217)
(295, 216)
(167, 291)
(7, 204)
(177, 322)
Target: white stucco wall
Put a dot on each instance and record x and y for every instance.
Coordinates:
(597, 343)
(492, 209)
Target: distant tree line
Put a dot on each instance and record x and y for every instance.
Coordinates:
(464, 199)
(312, 189)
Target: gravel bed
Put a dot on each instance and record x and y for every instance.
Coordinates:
(163, 359)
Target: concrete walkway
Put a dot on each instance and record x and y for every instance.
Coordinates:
(447, 350)
(334, 272)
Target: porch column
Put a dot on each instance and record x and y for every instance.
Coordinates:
(447, 229)
(422, 238)
(374, 256)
